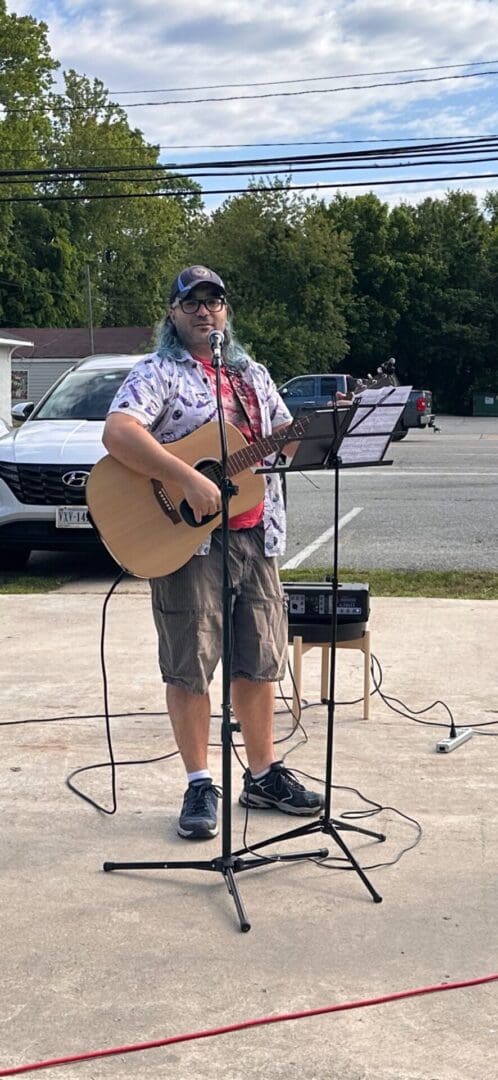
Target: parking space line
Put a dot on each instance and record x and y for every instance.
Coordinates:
(416, 472)
(296, 561)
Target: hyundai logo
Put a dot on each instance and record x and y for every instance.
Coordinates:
(75, 479)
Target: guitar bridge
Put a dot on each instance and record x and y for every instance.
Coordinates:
(168, 508)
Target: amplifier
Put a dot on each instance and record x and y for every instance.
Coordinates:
(309, 606)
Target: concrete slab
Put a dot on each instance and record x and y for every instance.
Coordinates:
(93, 960)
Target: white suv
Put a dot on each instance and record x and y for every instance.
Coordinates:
(45, 463)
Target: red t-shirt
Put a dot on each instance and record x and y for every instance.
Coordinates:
(235, 415)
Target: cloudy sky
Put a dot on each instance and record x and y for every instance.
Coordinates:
(313, 60)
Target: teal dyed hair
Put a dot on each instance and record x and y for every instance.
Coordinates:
(168, 344)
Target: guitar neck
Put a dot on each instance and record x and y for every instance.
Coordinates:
(253, 452)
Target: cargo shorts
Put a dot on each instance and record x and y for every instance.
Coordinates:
(188, 613)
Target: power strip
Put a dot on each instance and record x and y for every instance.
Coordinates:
(462, 734)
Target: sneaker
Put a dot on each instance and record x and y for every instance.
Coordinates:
(280, 789)
(199, 811)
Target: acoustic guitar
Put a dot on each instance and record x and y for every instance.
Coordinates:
(150, 530)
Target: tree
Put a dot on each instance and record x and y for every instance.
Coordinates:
(443, 331)
(131, 245)
(25, 79)
(287, 274)
(377, 291)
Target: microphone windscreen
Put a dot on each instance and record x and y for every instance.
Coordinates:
(216, 339)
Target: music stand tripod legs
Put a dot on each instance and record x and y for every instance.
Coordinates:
(228, 864)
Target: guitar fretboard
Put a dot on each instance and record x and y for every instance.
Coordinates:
(249, 455)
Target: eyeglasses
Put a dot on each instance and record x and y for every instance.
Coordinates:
(211, 303)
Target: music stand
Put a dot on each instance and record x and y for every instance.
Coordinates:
(362, 436)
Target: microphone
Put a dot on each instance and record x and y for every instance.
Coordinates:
(216, 339)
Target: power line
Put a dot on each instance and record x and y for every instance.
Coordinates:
(274, 171)
(307, 142)
(318, 187)
(448, 139)
(278, 94)
(315, 78)
(424, 153)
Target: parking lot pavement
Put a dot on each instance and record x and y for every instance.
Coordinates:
(432, 509)
(93, 960)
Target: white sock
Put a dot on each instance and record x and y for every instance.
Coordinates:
(259, 775)
(201, 774)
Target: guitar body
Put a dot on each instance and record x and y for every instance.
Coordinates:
(142, 522)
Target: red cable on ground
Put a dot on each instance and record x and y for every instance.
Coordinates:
(244, 1024)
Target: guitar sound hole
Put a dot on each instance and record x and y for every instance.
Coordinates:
(211, 468)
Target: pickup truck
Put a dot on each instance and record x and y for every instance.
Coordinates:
(417, 413)
(305, 393)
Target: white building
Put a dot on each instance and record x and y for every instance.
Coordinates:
(8, 345)
(42, 354)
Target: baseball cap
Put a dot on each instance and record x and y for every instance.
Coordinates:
(192, 276)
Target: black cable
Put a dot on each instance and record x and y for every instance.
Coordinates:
(274, 171)
(315, 78)
(111, 107)
(317, 188)
(110, 765)
(111, 762)
(472, 144)
(77, 716)
(413, 714)
(449, 139)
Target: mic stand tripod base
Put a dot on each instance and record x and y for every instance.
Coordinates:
(228, 866)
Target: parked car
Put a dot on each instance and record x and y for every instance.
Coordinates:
(305, 393)
(45, 462)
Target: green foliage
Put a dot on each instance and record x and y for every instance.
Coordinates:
(288, 275)
(378, 289)
(443, 330)
(25, 79)
(132, 246)
(314, 286)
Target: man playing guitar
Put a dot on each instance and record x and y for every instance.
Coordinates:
(167, 396)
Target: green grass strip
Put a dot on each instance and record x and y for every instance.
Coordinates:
(457, 584)
(13, 582)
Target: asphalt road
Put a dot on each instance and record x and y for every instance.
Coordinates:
(434, 508)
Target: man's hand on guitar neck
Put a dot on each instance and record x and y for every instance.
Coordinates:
(288, 449)
(129, 442)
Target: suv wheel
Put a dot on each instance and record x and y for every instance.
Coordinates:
(14, 558)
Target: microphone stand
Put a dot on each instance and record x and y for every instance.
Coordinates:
(228, 863)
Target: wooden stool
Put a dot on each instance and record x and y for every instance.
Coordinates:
(300, 647)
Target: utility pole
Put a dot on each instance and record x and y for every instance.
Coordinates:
(90, 310)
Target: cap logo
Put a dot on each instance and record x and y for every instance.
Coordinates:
(192, 276)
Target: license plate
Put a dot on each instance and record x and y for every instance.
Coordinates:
(72, 517)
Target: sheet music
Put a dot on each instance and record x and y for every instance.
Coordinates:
(370, 429)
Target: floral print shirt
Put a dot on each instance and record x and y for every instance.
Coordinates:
(173, 396)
